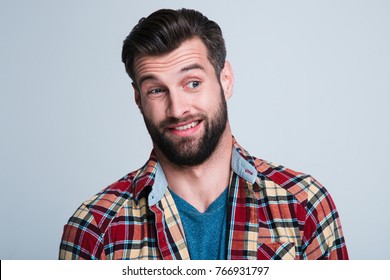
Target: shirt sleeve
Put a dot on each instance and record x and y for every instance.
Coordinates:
(82, 238)
(323, 236)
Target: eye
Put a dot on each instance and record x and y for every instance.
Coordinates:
(193, 84)
(156, 91)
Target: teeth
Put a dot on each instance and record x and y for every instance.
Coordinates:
(187, 126)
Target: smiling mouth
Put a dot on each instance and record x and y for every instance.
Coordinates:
(187, 126)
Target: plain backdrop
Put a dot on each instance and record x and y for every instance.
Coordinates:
(311, 92)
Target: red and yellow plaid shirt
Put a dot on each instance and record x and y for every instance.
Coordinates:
(273, 213)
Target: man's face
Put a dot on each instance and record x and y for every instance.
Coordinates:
(182, 102)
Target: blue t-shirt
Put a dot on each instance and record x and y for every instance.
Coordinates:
(205, 232)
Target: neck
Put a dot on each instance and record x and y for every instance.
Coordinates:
(200, 185)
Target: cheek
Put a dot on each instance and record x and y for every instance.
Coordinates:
(153, 112)
(210, 103)
(209, 98)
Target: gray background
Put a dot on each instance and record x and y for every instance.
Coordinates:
(312, 93)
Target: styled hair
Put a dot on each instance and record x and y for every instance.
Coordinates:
(165, 30)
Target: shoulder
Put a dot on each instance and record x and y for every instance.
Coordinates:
(272, 176)
(302, 185)
(296, 183)
(298, 188)
(84, 234)
(105, 205)
(129, 192)
(101, 209)
(280, 181)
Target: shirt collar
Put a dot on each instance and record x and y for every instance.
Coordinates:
(242, 167)
(152, 174)
(160, 186)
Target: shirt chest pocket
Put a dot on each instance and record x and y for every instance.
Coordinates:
(276, 251)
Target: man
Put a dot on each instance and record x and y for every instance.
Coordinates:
(200, 195)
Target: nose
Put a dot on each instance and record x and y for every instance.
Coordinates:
(178, 104)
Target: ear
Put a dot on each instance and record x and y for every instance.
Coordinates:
(137, 96)
(227, 80)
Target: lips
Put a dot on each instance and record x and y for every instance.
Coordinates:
(187, 126)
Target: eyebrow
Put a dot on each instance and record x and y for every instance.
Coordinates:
(192, 67)
(145, 78)
(183, 70)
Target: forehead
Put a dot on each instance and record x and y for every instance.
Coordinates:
(189, 52)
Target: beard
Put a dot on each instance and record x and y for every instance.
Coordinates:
(190, 151)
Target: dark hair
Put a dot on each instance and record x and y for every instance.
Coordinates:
(165, 30)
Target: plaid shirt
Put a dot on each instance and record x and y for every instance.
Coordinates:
(273, 213)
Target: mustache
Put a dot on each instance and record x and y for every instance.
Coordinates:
(174, 121)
